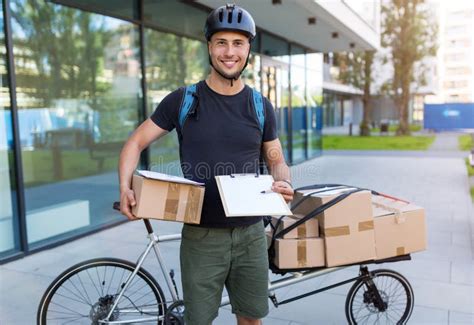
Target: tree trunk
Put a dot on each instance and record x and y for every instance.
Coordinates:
(181, 62)
(365, 125)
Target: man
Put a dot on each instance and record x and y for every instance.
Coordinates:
(221, 136)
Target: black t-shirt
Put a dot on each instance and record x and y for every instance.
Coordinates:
(221, 137)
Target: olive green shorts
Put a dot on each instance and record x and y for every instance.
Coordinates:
(212, 258)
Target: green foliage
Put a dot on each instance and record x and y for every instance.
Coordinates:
(66, 47)
(472, 194)
(351, 68)
(470, 169)
(393, 128)
(355, 68)
(409, 30)
(173, 61)
(465, 142)
(341, 142)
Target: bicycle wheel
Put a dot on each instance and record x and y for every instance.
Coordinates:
(363, 307)
(85, 293)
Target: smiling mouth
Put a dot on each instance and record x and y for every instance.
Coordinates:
(229, 64)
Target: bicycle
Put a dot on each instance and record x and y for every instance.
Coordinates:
(116, 291)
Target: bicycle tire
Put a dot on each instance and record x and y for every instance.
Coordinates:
(397, 295)
(85, 293)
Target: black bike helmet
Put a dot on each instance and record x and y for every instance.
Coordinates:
(229, 17)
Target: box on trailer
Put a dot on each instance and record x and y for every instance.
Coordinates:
(347, 227)
(307, 229)
(298, 253)
(400, 227)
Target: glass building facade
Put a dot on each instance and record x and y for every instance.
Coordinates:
(79, 76)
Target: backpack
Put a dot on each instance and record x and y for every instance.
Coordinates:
(190, 100)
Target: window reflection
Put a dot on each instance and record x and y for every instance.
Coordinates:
(314, 88)
(9, 241)
(171, 62)
(175, 16)
(298, 103)
(275, 82)
(78, 79)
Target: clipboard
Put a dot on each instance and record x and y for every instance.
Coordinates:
(242, 196)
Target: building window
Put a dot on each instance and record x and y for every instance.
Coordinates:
(78, 94)
(171, 62)
(314, 97)
(175, 16)
(298, 103)
(9, 233)
(128, 9)
(276, 84)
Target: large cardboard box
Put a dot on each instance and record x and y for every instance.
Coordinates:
(166, 200)
(298, 253)
(347, 227)
(400, 227)
(309, 228)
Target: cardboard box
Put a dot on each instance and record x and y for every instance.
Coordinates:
(308, 229)
(400, 227)
(165, 200)
(298, 253)
(347, 227)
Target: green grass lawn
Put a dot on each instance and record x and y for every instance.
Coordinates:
(393, 128)
(465, 142)
(343, 142)
(40, 168)
(470, 170)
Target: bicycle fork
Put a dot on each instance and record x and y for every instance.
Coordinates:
(372, 295)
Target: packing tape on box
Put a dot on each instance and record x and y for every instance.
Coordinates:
(337, 231)
(172, 199)
(191, 214)
(301, 229)
(366, 225)
(301, 253)
(399, 217)
(400, 250)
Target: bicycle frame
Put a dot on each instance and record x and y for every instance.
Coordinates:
(294, 278)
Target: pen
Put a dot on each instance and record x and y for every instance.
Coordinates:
(267, 192)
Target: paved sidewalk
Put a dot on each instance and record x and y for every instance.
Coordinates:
(442, 277)
(445, 141)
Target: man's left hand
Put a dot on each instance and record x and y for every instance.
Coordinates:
(284, 189)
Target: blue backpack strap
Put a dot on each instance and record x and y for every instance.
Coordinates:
(186, 103)
(258, 106)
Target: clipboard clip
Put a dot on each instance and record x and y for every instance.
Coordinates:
(240, 175)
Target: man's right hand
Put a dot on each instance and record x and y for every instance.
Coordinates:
(127, 201)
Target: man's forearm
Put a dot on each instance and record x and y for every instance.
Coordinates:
(129, 158)
(280, 172)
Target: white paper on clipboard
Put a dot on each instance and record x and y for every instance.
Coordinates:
(241, 196)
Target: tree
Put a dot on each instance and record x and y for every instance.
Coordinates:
(356, 70)
(58, 51)
(409, 31)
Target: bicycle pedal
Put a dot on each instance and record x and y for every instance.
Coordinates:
(274, 300)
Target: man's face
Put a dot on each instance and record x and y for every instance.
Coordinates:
(228, 52)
